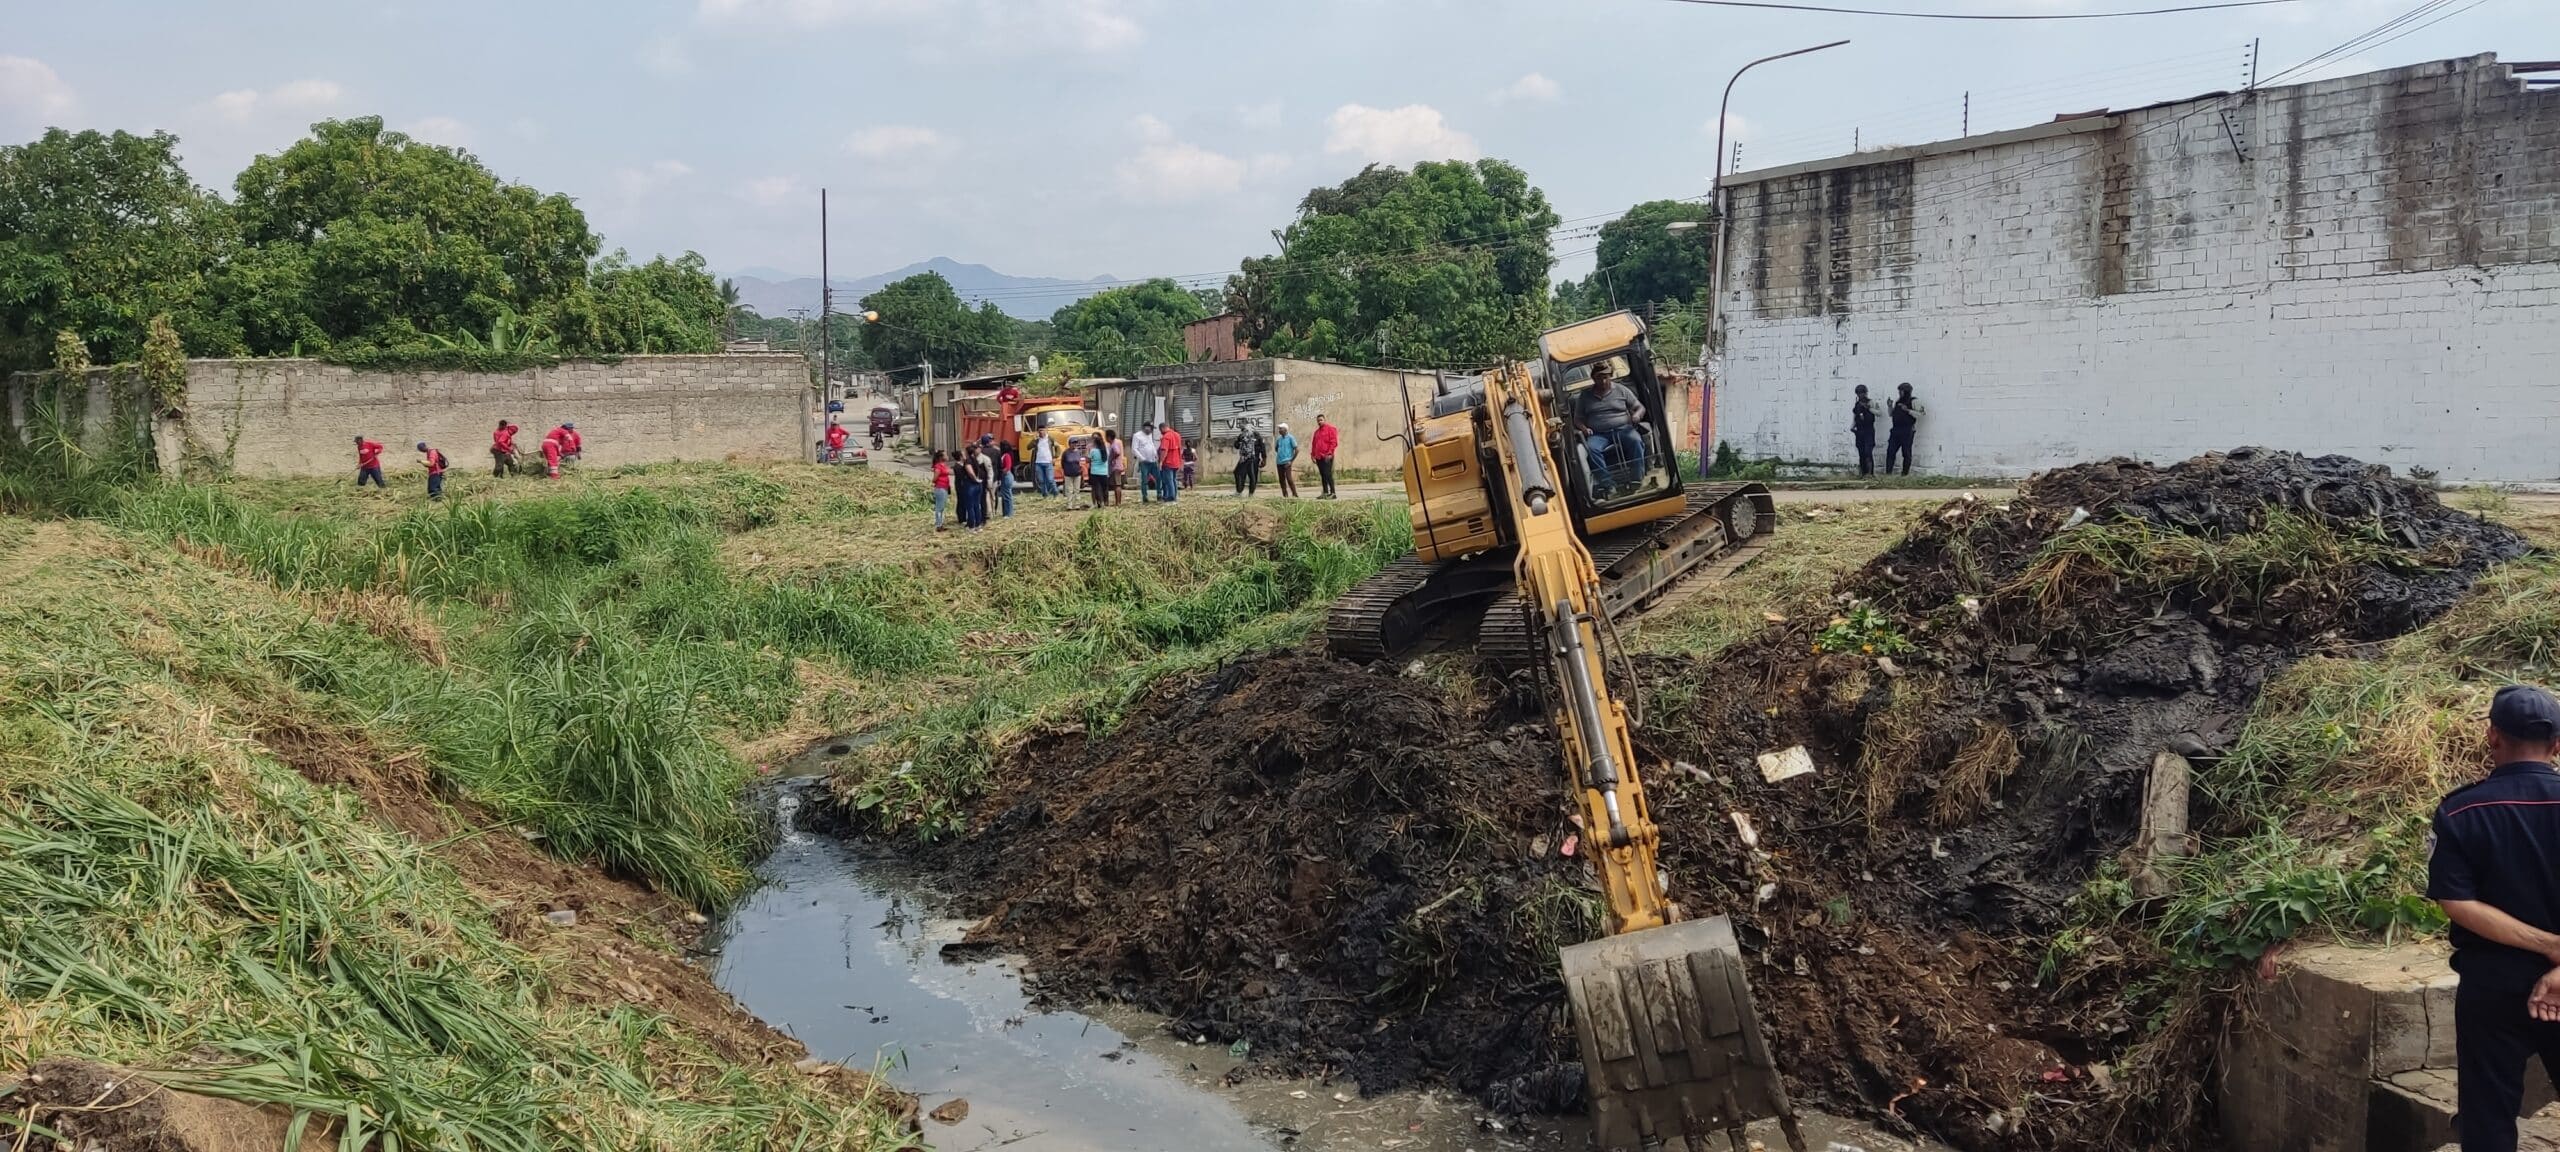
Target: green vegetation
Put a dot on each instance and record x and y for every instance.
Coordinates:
(1814, 547)
(1643, 263)
(355, 242)
(923, 321)
(1443, 265)
(1117, 331)
(184, 901)
(1079, 632)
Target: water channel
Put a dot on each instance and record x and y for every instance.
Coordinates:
(842, 948)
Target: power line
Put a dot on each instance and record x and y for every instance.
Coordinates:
(1784, 7)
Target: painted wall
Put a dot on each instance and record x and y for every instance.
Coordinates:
(2365, 265)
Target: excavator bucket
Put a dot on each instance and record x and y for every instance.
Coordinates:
(1671, 1041)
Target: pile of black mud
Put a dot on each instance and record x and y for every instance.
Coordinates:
(1984, 712)
(1333, 864)
(1357, 875)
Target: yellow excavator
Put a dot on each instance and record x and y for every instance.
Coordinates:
(1507, 473)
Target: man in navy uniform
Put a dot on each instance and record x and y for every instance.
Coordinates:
(2494, 864)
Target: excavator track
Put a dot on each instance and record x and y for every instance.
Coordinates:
(1719, 527)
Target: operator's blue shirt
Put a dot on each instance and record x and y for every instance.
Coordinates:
(2498, 842)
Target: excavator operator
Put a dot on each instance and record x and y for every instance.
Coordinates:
(1611, 420)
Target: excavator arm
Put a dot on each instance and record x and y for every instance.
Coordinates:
(1671, 1042)
(1560, 588)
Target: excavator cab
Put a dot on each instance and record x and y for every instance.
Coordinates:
(1614, 439)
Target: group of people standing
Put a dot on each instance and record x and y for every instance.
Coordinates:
(561, 443)
(1097, 471)
(1904, 414)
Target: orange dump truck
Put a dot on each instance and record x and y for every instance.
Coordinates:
(1024, 419)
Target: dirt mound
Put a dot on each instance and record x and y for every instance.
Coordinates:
(1345, 869)
(1985, 712)
(95, 1106)
(1332, 863)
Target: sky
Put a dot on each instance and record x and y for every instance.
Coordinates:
(1129, 138)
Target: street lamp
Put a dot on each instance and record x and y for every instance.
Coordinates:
(1715, 299)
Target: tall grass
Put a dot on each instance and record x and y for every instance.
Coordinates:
(1137, 600)
(180, 902)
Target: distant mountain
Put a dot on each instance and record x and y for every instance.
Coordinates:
(1024, 297)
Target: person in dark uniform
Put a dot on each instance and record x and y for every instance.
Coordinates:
(1906, 422)
(1862, 426)
(2494, 864)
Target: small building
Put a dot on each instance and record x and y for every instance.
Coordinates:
(1215, 340)
(1210, 402)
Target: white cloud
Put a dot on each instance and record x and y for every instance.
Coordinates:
(1533, 88)
(300, 96)
(1735, 127)
(666, 56)
(1267, 114)
(1151, 129)
(807, 13)
(1396, 135)
(1176, 171)
(895, 141)
(1089, 27)
(770, 191)
(635, 183)
(30, 90)
(439, 130)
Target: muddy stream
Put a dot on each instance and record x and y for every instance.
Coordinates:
(841, 947)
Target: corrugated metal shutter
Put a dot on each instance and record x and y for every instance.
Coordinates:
(1137, 408)
(1229, 415)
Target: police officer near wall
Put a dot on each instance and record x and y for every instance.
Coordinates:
(2494, 864)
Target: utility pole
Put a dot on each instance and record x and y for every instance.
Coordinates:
(826, 313)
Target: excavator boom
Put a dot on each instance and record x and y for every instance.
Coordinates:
(1670, 1040)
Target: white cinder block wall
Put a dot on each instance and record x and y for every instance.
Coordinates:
(2368, 265)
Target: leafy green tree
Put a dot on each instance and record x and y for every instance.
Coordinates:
(1445, 265)
(1120, 330)
(99, 232)
(1647, 263)
(371, 238)
(661, 306)
(922, 320)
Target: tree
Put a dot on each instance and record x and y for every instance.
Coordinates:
(922, 320)
(661, 306)
(1120, 330)
(1445, 265)
(368, 237)
(1642, 262)
(98, 233)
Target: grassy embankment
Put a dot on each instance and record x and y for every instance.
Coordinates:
(180, 898)
(596, 664)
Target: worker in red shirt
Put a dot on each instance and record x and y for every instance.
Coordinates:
(567, 434)
(435, 470)
(551, 454)
(1328, 440)
(368, 462)
(835, 442)
(502, 448)
(1169, 463)
(1009, 395)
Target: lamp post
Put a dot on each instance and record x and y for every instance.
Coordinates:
(1714, 334)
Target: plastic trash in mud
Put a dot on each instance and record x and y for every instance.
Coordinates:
(1786, 765)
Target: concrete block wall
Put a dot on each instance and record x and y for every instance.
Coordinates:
(2365, 265)
(300, 417)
